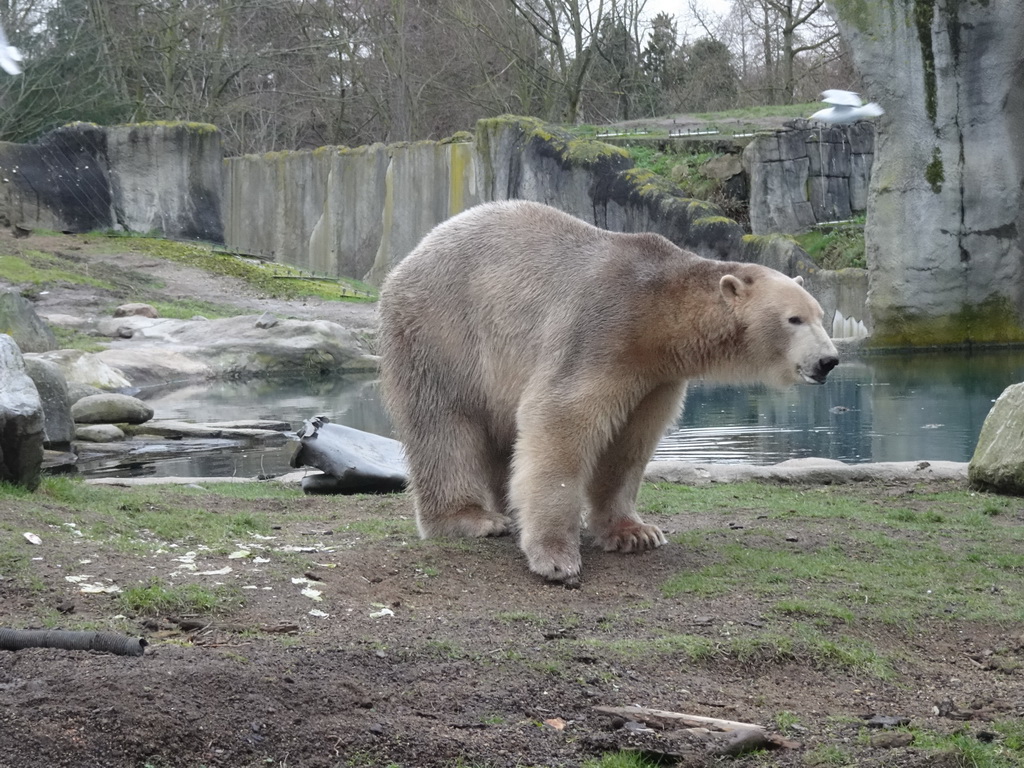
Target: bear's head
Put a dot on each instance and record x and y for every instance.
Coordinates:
(783, 340)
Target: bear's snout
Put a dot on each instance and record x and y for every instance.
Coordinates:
(823, 367)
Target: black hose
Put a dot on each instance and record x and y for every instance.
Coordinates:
(68, 640)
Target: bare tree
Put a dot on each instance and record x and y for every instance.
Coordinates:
(788, 29)
(568, 30)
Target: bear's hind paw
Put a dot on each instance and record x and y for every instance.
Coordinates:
(632, 536)
(471, 522)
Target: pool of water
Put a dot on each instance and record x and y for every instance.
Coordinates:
(878, 408)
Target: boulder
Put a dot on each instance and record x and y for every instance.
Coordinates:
(722, 167)
(99, 433)
(111, 408)
(998, 461)
(136, 308)
(21, 420)
(19, 320)
(86, 368)
(165, 349)
(58, 426)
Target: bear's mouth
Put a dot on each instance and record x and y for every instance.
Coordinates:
(819, 372)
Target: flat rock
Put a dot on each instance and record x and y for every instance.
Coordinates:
(165, 349)
(99, 433)
(172, 428)
(666, 472)
(810, 470)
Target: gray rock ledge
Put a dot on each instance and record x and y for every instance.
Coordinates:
(818, 471)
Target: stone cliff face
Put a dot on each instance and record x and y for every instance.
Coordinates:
(806, 175)
(357, 212)
(162, 178)
(945, 206)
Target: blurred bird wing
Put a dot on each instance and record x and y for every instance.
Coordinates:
(836, 114)
(841, 98)
(871, 110)
(9, 56)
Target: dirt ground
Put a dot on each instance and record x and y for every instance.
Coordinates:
(446, 653)
(440, 653)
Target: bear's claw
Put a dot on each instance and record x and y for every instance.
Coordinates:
(631, 536)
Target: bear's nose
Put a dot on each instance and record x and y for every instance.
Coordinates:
(826, 364)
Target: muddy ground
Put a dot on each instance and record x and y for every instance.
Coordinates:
(446, 653)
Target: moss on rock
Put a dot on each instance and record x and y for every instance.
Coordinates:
(993, 321)
(934, 172)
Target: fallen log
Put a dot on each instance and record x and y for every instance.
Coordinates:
(352, 461)
(721, 737)
(665, 720)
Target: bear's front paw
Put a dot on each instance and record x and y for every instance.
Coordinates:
(632, 536)
(559, 564)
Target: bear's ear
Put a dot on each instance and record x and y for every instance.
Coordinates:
(732, 288)
(798, 280)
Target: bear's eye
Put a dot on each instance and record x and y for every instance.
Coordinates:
(796, 320)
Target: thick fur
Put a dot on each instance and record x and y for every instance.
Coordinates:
(531, 362)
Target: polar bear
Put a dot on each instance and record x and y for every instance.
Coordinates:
(531, 362)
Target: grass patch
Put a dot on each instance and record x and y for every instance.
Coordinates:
(762, 111)
(168, 514)
(159, 599)
(836, 246)
(276, 280)
(921, 556)
(964, 749)
(69, 338)
(39, 270)
(189, 308)
(621, 760)
(682, 169)
(16, 563)
(802, 644)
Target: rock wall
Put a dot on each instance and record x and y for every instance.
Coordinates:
(356, 212)
(151, 178)
(946, 201)
(353, 212)
(342, 211)
(803, 176)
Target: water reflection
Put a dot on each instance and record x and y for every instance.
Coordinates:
(881, 408)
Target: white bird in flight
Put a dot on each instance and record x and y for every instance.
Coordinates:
(846, 108)
(10, 57)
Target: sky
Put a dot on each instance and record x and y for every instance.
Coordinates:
(680, 9)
